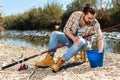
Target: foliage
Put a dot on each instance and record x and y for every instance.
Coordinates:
(109, 16)
(36, 18)
(53, 14)
(115, 16)
(1, 20)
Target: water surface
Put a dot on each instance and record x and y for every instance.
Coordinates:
(40, 39)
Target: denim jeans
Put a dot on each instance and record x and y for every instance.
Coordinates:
(60, 37)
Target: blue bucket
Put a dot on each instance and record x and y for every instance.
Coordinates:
(95, 58)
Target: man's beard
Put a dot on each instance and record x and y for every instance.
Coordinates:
(87, 22)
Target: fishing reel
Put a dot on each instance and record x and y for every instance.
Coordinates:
(23, 67)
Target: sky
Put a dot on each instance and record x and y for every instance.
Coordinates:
(13, 7)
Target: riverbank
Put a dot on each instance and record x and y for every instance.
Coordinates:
(70, 71)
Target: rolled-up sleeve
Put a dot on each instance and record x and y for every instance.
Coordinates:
(98, 32)
(69, 23)
(73, 22)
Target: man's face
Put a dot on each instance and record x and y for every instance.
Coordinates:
(88, 18)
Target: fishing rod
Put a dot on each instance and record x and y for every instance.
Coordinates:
(59, 46)
(105, 29)
(110, 28)
(25, 59)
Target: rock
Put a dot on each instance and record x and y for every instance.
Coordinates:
(69, 71)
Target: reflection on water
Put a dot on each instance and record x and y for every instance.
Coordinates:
(39, 42)
(110, 45)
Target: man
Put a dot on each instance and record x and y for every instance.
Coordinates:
(78, 25)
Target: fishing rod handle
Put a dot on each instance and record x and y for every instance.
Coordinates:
(9, 65)
(12, 64)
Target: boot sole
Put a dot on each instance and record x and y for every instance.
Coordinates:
(41, 66)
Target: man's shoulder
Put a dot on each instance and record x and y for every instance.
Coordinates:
(77, 12)
(95, 21)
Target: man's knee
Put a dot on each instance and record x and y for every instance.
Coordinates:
(80, 42)
(55, 32)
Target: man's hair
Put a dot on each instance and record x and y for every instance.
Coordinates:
(89, 9)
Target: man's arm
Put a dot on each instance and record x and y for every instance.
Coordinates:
(100, 45)
(99, 36)
(71, 36)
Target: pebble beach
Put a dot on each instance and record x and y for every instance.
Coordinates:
(71, 70)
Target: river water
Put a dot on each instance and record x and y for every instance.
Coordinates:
(40, 39)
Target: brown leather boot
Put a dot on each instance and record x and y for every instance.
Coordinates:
(58, 64)
(48, 61)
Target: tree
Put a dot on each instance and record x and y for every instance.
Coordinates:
(51, 15)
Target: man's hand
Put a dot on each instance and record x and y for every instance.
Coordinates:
(76, 40)
(100, 45)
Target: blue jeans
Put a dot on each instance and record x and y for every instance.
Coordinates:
(60, 37)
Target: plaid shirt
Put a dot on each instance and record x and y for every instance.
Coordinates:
(74, 26)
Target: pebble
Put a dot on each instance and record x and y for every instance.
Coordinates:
(10, 52)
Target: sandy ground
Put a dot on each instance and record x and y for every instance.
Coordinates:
(70, 70)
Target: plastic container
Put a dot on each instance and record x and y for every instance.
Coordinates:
(95, 58)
